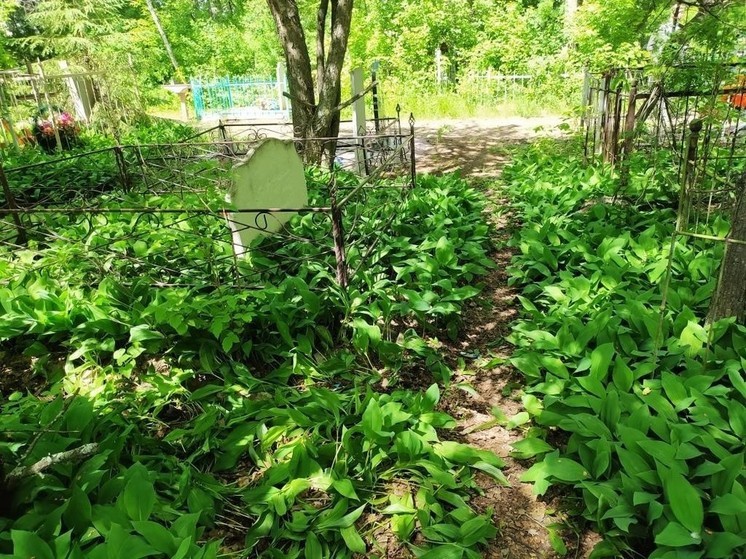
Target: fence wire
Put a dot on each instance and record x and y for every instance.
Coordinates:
(160, 212)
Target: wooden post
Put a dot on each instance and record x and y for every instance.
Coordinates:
(601, 120)
(338, 234)
(11, 203)
(32, 81)
(7, 121)
(358, 116)
(616, 126)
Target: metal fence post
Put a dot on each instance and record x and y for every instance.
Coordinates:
(11, 203)
(689, 172)
(122, 166)
(338, 234)
(629, 136)
(412, 162)
(376, 107)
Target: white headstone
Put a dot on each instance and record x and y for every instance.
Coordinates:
(271, 176)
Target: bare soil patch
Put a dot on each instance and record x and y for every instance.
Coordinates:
(478, 147)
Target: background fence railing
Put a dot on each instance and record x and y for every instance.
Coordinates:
(240, 97)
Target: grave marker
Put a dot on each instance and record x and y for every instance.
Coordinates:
(271, 176)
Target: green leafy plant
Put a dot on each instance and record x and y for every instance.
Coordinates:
(652, 403)
(242, 419)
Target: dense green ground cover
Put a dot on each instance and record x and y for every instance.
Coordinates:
(642, 410)
(272, 419)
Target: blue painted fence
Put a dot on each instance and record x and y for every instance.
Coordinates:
(239, 97)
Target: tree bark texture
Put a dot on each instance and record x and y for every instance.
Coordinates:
(730, 295)
(315, 109)
(320, 42)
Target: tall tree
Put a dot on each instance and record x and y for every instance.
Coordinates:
(164, 39)
(315, 108)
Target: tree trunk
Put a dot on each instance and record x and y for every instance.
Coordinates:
(313, 119)
(330, 88)
(571, 7)
(164, 38)
(730, 297)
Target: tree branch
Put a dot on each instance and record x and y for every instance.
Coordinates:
(320, 46)
(351, 100)
(17, 474)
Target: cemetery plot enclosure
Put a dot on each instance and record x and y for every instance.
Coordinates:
(687, 127)
(361, 152)
(632, 109)
(691, 117)
(159, 213)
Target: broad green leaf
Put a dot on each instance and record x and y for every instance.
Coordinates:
(157, 536)
(723, 544)
(564, 469)
(142, 333)
(398, 508)
(139, 497)
(353, 540)
(403, 525)
(728, 505)
(345, 488)
(684, 500)
(622, 375)
(448, 551)
(29, 545)
(675, 535)
(478, 529)
(694, 336)
(530, 447)
(600, 361)
(492, 471)
(78, 512)
(431, 398)
(521, 418)
(444, 252)
(313, 547)
(458, 453)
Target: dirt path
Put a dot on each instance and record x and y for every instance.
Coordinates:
(477, 147)
(527, 526)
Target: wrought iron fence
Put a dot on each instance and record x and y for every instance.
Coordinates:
(689, 121)
(361, 151)
(159, 212)
(630, 109)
